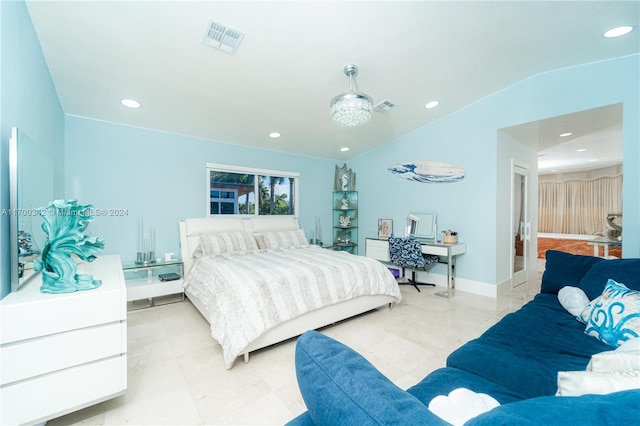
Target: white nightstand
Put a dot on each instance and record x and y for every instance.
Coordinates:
(143, 281)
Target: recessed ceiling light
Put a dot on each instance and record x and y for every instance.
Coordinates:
(581, 150)
(130, 103)
(432, 104)
(344, 149)
(274, 135)
(564, 135)
(618, 31)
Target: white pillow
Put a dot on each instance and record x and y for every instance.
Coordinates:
(284, 239)
(461, 405)
(227, 242)
(576, 383)
(573, 299)
(609, 371)
(625, 357)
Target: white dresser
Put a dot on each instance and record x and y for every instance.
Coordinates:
(63, 352)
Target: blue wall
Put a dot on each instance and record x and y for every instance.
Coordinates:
(28, 100)
(469, 138)
(160, 178)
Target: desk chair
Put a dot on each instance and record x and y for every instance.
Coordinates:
(407, 253)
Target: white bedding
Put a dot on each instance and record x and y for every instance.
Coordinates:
(247, 294)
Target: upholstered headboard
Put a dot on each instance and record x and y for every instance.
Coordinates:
(191, 229)
(273, 223)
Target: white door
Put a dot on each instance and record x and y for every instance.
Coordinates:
(520, 223)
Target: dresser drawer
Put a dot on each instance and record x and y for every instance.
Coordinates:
(31, 358)
(377, 249)
(52, 395)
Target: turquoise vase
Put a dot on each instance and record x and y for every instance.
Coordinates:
(64, 224)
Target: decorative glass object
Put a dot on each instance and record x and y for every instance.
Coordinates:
(64, 223)
(146, 253)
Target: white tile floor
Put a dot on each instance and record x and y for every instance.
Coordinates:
(177, 377)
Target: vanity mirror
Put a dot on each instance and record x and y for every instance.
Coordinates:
(31, 179)
(421, 225)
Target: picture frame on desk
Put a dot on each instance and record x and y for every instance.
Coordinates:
(385, 228)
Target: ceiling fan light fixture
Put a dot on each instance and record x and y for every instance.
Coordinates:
(350, 109)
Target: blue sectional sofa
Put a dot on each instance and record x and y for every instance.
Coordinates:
(516, 362)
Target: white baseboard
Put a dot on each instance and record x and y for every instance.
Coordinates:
(462, 284)
(475, 287)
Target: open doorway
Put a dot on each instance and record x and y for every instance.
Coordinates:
(579, 180)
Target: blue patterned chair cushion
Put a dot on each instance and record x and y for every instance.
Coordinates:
(407, 252)
(614, 316)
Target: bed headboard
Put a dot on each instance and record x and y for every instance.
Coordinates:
(191, 229)
(273, 223)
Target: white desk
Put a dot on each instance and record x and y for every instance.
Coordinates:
(379, 249)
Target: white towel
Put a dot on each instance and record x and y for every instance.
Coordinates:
(461, 405)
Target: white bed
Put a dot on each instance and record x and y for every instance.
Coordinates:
(221, 285)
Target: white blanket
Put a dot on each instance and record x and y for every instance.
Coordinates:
(248, 294)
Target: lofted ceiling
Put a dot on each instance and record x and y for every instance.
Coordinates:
(289, 65)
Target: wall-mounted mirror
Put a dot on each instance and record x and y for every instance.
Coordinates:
(421, 225)
(31, 179)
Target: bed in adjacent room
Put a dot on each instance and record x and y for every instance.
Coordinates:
(257, 281)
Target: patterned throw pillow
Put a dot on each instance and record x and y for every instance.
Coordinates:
(614, 316)
(227, 242)
(284, 239)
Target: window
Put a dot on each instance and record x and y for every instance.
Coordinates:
(232, 190)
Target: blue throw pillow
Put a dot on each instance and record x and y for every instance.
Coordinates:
(614, 316)
(565, 269)
(625, 271)
(340, 387)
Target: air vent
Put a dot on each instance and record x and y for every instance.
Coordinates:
(385, 106)
(222, 37)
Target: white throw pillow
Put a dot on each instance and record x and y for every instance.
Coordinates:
(576, 383)
(284, 239)
(227, 242)
(573, 299)
(461, 405)
(609, 371)
(625, 357)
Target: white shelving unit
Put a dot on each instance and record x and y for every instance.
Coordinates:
(143, 280)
